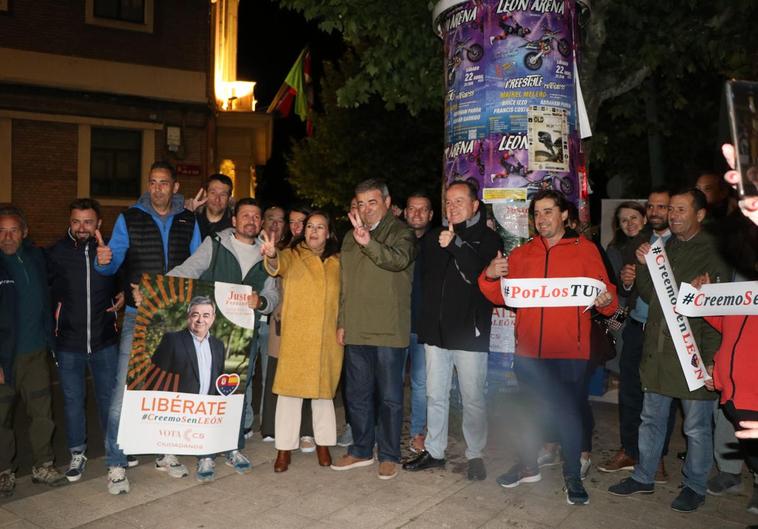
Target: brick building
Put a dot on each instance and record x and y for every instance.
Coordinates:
(93, 91)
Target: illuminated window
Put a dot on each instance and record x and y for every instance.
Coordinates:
(115, 167)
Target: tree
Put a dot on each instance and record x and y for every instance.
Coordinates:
(352, 144)
(651, 71)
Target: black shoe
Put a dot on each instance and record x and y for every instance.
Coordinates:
(423, 461)
(682, 455)
(575, 492)
(476, 470)
(687, 501)
(629, 486)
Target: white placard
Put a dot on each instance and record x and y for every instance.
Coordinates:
(551, 292)
(678, 325)
(231, 299)
(718, 299)
(162, 422)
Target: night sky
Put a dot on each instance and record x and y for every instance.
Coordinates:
(270, 39)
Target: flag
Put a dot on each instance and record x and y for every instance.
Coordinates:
(296, 91)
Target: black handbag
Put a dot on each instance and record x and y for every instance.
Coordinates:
(602, 341)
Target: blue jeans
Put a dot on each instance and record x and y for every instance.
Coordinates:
(72, 367)
(698, 427)
(374, 388)
(472, 373)
(554, 390)
(418, 385)
(115, 457)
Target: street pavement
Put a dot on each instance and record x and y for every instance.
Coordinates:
(308, 496)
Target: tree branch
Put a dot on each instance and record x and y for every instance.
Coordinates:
(622, 87)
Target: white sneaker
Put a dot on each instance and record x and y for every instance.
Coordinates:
(117, 481)
(586, 464)
(307, 444)
(238, 461)
(268, 439)
(206, 469)
(76, 467)
(132, 461)
(169, 463)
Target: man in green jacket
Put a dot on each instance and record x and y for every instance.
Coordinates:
(692, 251)
(233, 255)
(374, 325)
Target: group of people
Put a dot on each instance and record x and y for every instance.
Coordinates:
(395, 294)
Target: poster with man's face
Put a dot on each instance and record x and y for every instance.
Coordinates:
(184, 390)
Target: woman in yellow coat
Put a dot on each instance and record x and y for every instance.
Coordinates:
(310, 359)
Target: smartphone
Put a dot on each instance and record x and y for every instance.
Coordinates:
(742, 109)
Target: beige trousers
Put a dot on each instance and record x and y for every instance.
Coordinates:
(287, 425)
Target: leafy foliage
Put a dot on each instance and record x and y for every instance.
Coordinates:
(352, 144)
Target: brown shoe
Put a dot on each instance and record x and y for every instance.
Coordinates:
(323, 455)
(348, 462)
(387, 470)
(620, 461)
(661, 476)
(282, 461)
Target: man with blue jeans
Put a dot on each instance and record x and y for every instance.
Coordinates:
(153, 236)
(86, 327)
(374, 324)
(692, 252)
(455, 326)
(418, 215)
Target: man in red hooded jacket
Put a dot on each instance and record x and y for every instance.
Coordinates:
(552, 343)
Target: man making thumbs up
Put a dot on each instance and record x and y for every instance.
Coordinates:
(455, 326)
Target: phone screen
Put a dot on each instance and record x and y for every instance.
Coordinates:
(742, 106)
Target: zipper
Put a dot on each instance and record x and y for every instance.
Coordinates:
(542, 309)
(89, 305)
(731, 360)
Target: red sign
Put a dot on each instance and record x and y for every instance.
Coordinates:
(184, 169)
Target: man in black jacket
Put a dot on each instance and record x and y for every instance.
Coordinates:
(24, 370)
(193, 357)
(455, 326)
(86, 305)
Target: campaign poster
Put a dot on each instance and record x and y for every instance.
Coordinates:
(184, 394)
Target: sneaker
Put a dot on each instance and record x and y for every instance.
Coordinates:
(248, 433)
(132, 461)
(307, 444)
(416, 444)
(346, 437)
(629, 486)
(619, 461)
(117, 481)
(169, 463)
(517, 475)
(476, 470)
(661, 476)
(206, 470)
(575, 492)
(237, 461)
(76, 467)
(348, 462)
(725, 483)
(549, 456)
(47, 474)
(752, 506)
(387, 470)
(687, 501)
(268, 439)
(586, 465)
(7, 483)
